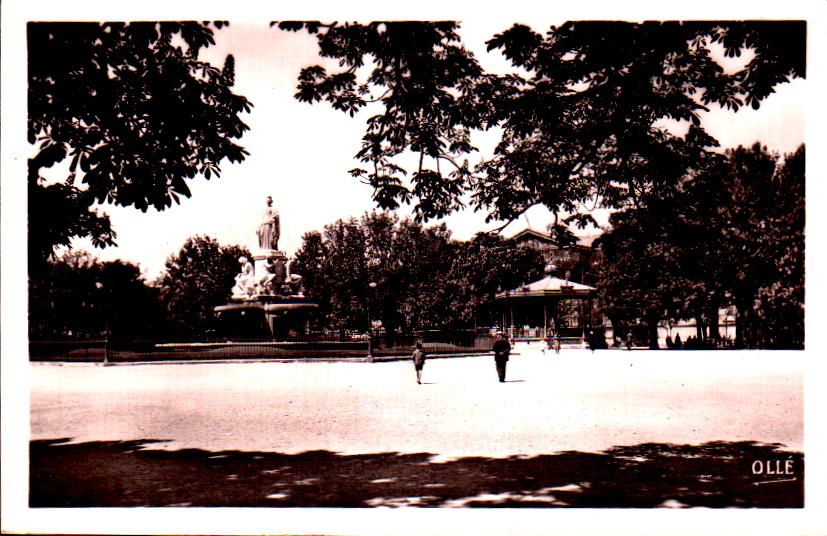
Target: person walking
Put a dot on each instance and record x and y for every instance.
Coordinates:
(418, 361)
(501, 350)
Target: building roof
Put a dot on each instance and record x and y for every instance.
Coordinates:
(549, 286)
(530, 233)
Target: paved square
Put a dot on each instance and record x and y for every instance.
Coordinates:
(611, 428)
(572, 401)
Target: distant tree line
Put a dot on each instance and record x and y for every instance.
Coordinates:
(77, 296)
(423, 280)
(408, 276)
(729, 234)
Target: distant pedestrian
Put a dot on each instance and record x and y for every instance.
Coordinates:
(502, 348)
(418, 361)
(553, 341)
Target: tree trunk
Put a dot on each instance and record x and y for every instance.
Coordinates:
(754, 334)
(739, 325)
(744, 321)
(714, 321)
(652, 326)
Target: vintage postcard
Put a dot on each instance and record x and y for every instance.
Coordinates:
(372, 270)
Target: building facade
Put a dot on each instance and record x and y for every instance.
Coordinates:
(572, 262)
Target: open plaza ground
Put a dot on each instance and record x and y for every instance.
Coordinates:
(610, 428)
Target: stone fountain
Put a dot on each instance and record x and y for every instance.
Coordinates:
(268, 300)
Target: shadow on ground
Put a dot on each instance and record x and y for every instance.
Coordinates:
(131, 473)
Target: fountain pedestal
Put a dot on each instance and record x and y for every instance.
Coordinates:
(268, 301)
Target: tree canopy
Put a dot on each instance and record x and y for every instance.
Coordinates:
(423, 278)
(579, 115)
(426, 82)
(196, 280)
(131, 112)
(340, 263)
(731, 235)
(79, 296)
(482, 267)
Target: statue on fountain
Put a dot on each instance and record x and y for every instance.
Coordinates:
(245, 283)
(271, 277)
(267, 299)
(269, 230)
(294, 283)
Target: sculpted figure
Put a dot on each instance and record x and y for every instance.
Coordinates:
(270, 228)
(266, 283)
(245, 283)
(294, 281)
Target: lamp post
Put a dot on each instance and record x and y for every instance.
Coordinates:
(100, 286)
(372, 286)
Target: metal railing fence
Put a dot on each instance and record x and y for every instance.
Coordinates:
(333, 346)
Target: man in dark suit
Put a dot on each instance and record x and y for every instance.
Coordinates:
(501, 350)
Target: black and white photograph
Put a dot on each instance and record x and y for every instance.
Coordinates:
(362, 271)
